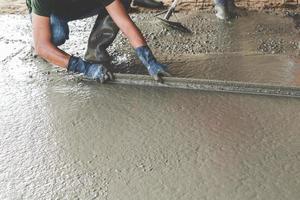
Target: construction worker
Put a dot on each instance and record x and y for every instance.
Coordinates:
(50, 29)
(226, 9)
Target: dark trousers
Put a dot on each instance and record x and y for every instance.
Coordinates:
(60, 28)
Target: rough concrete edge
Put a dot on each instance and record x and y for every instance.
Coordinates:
(209, 85)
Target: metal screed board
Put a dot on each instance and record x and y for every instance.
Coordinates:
(209, 85)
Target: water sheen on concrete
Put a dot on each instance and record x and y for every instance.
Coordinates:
(64, 139)
(257, 48)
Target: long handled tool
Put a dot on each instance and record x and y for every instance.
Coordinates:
(171, 10)
(172, 24)
(209, 85)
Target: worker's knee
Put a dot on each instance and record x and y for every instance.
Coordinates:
(59, 38)
(59, 30)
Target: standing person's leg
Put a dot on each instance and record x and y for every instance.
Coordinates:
(235, 11)
(102, 35)
(231, 4)
(221, 8)
(59, 30)
(226, 9)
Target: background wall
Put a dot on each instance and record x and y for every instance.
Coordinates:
(250, 4)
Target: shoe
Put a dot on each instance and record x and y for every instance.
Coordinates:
(148, 4)
(221, 12)
(235, 11)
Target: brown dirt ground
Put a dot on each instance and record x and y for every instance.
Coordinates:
(13, 7)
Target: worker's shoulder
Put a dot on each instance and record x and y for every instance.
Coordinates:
(34, 3)
(39, 7)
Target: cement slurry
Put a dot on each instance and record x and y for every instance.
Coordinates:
(66, 140)
(61, 138)
(256, 48)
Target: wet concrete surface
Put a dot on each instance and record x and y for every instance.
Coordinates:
(255, 48)
(258, 48)
(66, 139)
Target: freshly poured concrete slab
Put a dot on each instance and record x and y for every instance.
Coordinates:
(252, 67)
(7, 50)
(258, 49)
(63, 139)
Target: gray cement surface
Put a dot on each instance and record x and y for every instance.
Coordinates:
(258, 48)
(62, 138)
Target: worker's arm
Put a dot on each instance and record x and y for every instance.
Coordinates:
(42, 42)
(45, 49)
(118, 13)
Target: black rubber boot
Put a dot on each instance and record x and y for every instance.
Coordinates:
(148, 4)
(231, 8)
(103, 34)
(231, 5)
(235, 11)
(221, 7)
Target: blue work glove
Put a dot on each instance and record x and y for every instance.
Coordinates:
(155, 69)
(91, 71)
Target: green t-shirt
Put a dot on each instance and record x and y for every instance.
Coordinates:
(66, 8)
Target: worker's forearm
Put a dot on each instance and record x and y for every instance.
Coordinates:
(118, 13)
(133, 34)
(53, 55)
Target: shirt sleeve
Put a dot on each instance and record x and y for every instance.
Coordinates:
(41, 7)
(106, 2)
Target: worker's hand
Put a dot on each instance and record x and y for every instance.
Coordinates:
(155, 69)
(91, 71)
